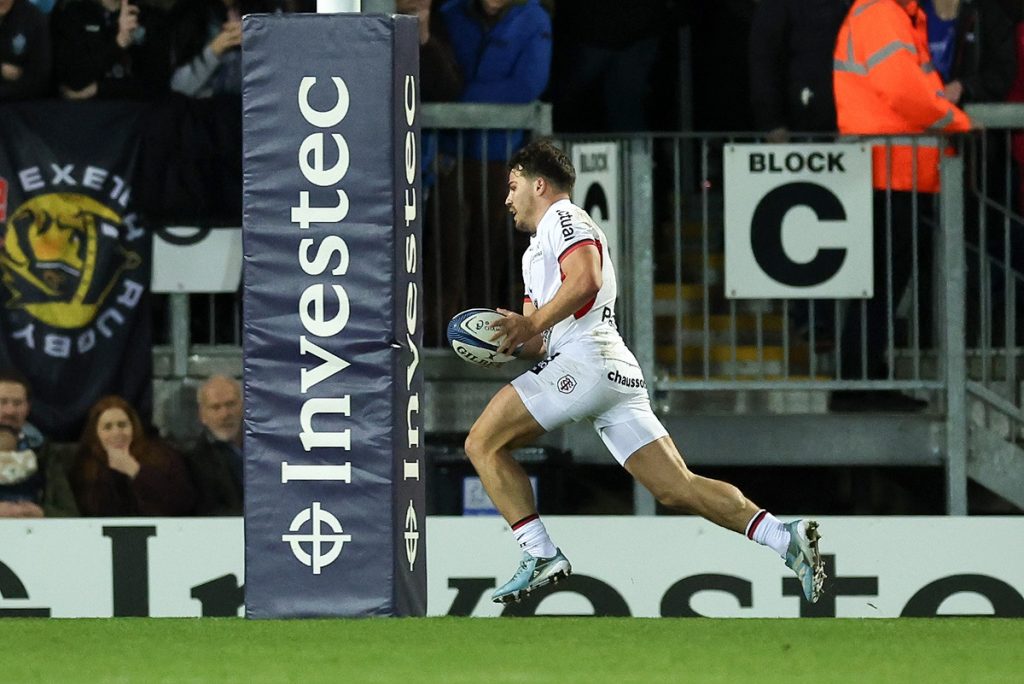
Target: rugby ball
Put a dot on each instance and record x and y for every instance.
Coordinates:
(469, 334)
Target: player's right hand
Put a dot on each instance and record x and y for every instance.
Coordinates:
(516, 328)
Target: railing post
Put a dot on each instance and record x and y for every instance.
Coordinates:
(640, 227)
(952, 280)
(181, 338)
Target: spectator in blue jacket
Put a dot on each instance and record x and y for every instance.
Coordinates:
(971, 45)
(503, 48)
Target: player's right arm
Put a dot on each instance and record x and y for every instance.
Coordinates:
(533, 348)
(581, 268)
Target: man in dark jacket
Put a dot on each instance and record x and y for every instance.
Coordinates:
(216, 459)
(972, 46)
(604, 56)
(24, 51)
(791, 44)
(109, 49)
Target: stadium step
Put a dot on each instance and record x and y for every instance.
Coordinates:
(996, 464)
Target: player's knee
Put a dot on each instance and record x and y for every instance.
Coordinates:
(471, 445)
(475, 446)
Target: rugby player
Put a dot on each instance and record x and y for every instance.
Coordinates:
(588, 373)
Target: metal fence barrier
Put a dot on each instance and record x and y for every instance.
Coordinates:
(950, 335)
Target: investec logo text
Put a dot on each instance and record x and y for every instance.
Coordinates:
(315, 258)
(411, 468)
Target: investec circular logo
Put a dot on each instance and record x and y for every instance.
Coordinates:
(334, 539)
(61, 256)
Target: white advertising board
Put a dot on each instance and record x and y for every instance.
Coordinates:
(639, 566)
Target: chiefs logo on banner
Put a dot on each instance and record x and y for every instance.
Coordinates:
(74, 263)
(62, 255)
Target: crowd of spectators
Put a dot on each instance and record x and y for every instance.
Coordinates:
(139, 49)
(765, 65)
(119, 468)
(756, 64)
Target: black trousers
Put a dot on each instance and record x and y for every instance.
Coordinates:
(872, 335)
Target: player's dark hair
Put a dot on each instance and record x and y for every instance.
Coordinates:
(544, 159)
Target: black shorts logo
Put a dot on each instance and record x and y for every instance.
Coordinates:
(566, 384)
(543, 364)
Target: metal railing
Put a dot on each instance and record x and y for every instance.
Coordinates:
(950, 335)
(994, 278)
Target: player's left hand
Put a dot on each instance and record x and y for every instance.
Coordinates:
(516, 328)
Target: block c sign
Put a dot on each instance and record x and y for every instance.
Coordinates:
(798, 221)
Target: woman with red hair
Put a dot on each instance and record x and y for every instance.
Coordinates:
(118, 471)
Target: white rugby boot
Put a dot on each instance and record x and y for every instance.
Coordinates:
(804, 559)
(533, 573)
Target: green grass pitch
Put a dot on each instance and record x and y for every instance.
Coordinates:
(546, 649)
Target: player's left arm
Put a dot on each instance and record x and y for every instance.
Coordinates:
(582, 269)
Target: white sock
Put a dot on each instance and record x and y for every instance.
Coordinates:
(533, 537)
(766, 529)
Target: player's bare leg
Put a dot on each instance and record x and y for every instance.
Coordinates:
(660, 468)
(503, 426)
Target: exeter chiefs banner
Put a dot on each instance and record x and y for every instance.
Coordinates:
(74, 261)
(331, 271)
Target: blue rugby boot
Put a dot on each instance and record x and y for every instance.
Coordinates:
(804, 559)
(532, 573)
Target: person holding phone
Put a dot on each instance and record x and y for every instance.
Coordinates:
(108, 49)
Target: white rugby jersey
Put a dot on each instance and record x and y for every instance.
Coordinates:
(563, 228)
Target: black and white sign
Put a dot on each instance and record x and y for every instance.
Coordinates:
(798, 221)
(597, 189)
(190, 259)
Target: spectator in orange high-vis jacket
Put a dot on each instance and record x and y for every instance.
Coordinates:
(886, 85)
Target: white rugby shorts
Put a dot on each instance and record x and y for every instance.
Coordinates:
(577, 385)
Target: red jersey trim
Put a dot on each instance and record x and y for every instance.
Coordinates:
(576, 245)
(569, 250)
